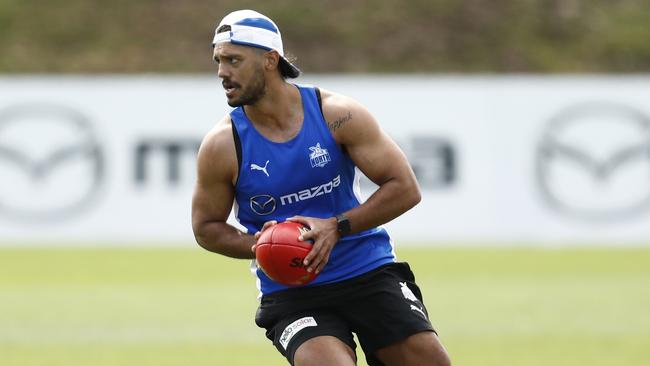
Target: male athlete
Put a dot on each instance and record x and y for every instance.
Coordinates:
(290, 152)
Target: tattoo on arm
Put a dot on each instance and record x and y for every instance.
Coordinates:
(339, 122)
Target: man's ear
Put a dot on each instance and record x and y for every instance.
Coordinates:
(271, 60)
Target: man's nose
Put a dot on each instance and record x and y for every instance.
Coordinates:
(223, 71)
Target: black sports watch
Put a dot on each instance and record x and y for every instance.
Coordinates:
(343, 225)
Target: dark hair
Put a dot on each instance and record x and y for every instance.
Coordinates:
(224, 28)
(284, 67)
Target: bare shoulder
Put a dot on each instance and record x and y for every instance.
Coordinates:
(219, 137)
(345, 116)
(217, 158)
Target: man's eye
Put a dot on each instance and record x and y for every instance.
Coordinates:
(234, 61)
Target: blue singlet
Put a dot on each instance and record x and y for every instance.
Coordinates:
(309, 175)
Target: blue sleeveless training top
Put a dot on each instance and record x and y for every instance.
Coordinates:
(308, 175)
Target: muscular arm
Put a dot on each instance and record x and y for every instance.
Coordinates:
(380, 159)
(214, 194)
(377, 156)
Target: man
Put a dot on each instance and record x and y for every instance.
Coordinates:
(282, 139)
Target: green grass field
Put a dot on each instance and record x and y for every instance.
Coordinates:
(122, 307)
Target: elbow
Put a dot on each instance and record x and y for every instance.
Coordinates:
(415, 196)
(411, 194)
(209, 235)
(200, 240)
(407, 194)
(201, 236)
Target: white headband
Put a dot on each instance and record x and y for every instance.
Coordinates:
(250, 28)
(250, 36)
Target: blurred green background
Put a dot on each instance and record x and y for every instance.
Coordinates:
(174, 36)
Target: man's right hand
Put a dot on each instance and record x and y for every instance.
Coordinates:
(257, 235)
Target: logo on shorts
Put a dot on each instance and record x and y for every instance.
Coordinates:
(415, 308)
(319, 157)
(294, 328)
(408, 294)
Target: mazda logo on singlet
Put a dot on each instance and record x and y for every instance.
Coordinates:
(263, 204)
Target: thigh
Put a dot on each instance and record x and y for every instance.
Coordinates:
(388, 309)
(328, 331)
(420, 349)
(324, 351)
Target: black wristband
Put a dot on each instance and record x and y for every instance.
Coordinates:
(343, 225)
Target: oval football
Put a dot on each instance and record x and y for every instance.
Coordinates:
(280, 254)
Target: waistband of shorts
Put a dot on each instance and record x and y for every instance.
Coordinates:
(301, 292)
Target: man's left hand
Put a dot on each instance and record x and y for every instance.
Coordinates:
(324, 234)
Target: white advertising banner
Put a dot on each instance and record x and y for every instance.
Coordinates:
(501, 160)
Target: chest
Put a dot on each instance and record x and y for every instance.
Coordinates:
(307, 162)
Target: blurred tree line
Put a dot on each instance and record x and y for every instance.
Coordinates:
(482, 36)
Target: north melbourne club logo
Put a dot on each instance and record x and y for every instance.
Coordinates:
(319, 157)
(408, 294)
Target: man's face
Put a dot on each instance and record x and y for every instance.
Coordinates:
(241, 73)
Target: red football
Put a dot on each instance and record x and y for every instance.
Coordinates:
(280, 254)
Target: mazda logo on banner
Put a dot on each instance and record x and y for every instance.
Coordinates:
(593, 161)
(51, 162)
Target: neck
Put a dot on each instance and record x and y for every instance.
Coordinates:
(280, 107)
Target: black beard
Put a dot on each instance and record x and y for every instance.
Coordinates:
(253, 93)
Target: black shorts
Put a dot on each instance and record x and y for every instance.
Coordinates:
(381, 307)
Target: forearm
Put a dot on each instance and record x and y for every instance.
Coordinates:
(224, 239)
(392, 199)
